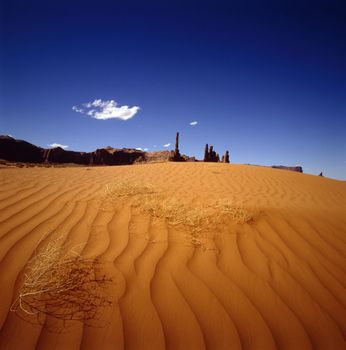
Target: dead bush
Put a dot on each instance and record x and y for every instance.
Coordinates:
(60, 283)
(116, 191)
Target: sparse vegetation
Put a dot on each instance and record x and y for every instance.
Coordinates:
(60, 283)
(117, 190)
(127, 189)
(235, 213)
(199, 221)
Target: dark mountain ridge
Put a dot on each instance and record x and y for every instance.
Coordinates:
(15, 150)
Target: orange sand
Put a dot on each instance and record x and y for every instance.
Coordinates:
(275, 280)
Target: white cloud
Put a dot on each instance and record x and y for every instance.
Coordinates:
(195, 122)
(167, 145)
(108, 109)
(76, 109)
(146, 149)
(142, 149)
(54, 145)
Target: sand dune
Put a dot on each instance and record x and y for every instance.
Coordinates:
(198, 255)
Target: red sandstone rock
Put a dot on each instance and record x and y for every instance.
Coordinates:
(22, 151)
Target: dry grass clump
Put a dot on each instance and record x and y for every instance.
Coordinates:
(197, 217)
(144, 197)
(127, 189)
(59, 283)
(118, 190)
(198, 221)
(227, 211)
(195, 221)
(174, 212)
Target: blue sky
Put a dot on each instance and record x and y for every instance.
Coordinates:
(263, 79)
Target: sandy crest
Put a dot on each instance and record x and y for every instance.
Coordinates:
(199, 255)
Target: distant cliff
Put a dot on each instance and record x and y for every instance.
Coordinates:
(298, 169)
(22, 151)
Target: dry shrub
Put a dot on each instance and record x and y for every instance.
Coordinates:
(127, 189)
(200, 223)
(144, 197)
(118, 190)
(237, 214)
(197, 217)
(173, 211)
(196, 220)
(59, 283)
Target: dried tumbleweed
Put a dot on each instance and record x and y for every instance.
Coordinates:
(201, 220)
(58, 282)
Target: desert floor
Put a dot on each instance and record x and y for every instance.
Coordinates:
(171, 255)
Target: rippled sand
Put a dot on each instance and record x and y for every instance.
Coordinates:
(199, 255)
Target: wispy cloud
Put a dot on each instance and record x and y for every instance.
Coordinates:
(76, 109)
(142, 149)
(166, 145)
(104, 110)
(195, 122)
(54, 145)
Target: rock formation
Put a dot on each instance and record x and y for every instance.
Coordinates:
(206, 153)
(154, 157)
(210, 155)
(177, 144)
(21, 151)
(225, 158)
(175, 155)
(115, 156)
(298, 169)
(189, 159)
